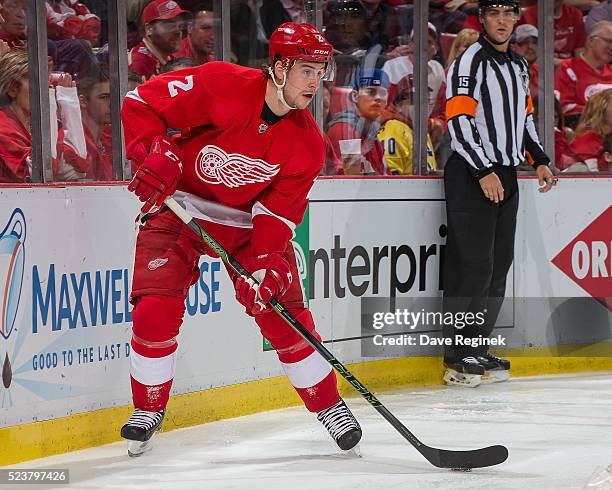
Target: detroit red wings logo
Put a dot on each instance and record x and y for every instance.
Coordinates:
(214, 166)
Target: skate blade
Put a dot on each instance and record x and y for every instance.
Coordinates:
(454, 378)
(138, 448)
(496, 376)
(354, 452)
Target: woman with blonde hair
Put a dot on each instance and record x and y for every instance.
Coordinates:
(594, 126)
(15, 132)
(465, 38)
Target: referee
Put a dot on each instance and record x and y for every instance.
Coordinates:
(490, 120)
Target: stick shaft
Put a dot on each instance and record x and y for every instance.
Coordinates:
(438, 457)
(296, 325)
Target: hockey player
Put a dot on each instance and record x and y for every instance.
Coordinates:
(246, 158)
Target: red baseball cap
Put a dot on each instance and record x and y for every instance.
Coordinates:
(161, 10)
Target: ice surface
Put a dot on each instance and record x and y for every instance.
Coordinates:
(557, 429)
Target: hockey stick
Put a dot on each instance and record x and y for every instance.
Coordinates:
(442, 458)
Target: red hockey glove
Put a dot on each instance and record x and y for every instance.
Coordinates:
(273, 273)
(158, 175)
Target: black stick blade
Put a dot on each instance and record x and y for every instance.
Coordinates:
(464, 460)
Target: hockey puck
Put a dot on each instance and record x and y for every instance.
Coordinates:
(461, 469)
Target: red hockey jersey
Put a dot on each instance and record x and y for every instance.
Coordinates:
(568, 29)
(238, 169)
(588, 148)
(16, 148)
(143, 62)
(186, 51)
(576, 81)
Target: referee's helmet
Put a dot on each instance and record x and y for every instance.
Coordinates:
(485, 4)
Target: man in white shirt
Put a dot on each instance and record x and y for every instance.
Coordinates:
(398, 68)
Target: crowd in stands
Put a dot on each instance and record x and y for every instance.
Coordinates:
(368, 110)
(377, 35)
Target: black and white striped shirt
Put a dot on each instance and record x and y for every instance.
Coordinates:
(489, 109)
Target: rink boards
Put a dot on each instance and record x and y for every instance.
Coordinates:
(65, 273)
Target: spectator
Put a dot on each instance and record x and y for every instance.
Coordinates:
(525, 42)
(568, 27)
(402, 66)
(295, 10)
(447, 20)
(71, 151)
(468, 9)
(13, 27)
(396, 136)
(199, 44)
(584, 6)
(15, 136)
(346, 27)
(94, 97)
(257, 20)
(594, 127)
(333, 163)
(177, 64)
(381, 23)
(465, 38)
(359, 125)
(378, 23)
(74, 56)
(100, 8)
(579, 78)
(69, 19)
(16, 141)
(161, 20)
(602, 12)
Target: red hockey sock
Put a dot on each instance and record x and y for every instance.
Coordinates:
(310, 374)
(322, 395)
(156, 322)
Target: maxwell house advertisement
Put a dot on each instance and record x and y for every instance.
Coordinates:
(66, 316)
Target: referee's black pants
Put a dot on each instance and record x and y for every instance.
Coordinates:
(479, 252)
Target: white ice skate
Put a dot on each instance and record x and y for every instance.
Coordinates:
(467, 372)
(140, 429)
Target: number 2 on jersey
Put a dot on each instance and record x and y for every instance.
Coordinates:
(174, 85)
